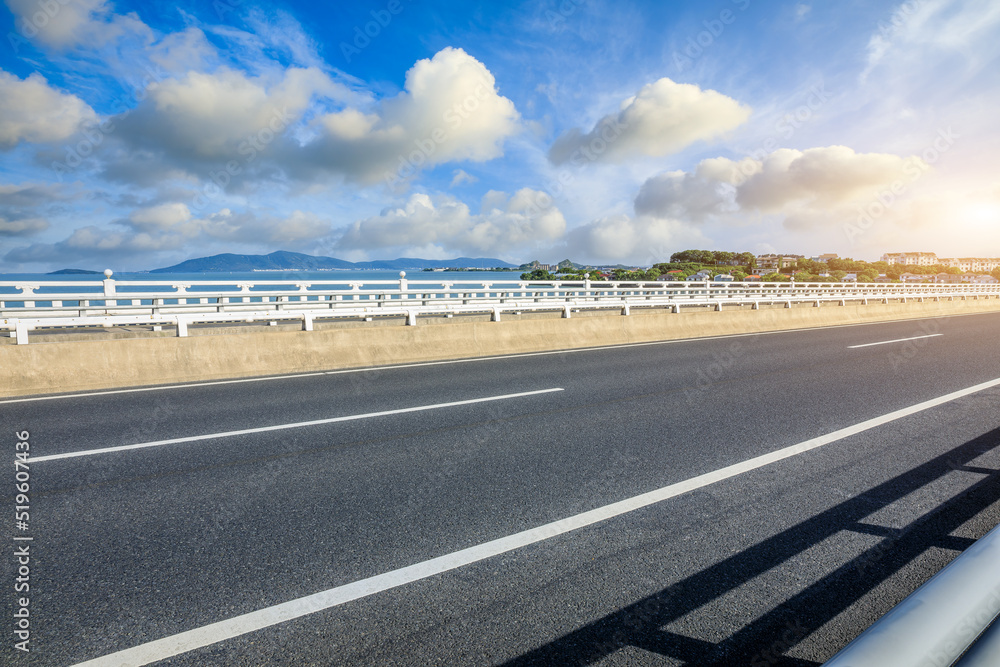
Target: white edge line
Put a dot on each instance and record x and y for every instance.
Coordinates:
(898, 340)
(369, 369)
(281, 427)
(190, 640)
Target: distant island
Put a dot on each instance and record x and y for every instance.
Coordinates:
(295, 261)
(74, 272)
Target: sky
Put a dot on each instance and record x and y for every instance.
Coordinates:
(137, 135)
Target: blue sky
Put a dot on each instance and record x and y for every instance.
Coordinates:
(137, 135)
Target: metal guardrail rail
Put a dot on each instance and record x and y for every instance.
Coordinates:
(60, 304)
(950, 621)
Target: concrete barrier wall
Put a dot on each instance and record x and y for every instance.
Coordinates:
(50, 367)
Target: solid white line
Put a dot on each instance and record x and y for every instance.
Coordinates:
(190, 640)
(369, 369)
(281, 427)
(898, 340)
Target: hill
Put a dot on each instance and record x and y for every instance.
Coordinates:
(295, 261)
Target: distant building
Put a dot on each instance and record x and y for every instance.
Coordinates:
(754, 278)
(767, 263)
(915, 278)
(825, 258)
(723, 278)
(911, 258)
(964, 264)
(948, 278)
(972, 264)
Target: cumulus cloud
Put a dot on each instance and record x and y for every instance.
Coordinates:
(23, 227)
(147, 232)
(185, 51)
(449, 110)
(806, 187)
(33, 111)
(663, 118)
(67, 23)
(504, 222)
(224, 115)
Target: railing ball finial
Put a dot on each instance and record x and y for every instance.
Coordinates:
(107, 273)
(402, 274)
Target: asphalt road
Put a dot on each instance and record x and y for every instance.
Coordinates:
(781, 564)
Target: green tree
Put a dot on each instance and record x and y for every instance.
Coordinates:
(747, 259)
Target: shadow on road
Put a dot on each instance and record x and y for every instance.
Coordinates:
(765, 641)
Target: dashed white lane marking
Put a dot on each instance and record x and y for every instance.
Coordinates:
(183, 642)
(898, 340)
(281, 427)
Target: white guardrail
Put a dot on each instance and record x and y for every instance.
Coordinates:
(952, 620)
(108, 303)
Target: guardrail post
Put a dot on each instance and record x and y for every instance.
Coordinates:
(626, 310)
(566, 313)
(182, 326)
(109, 284)
(307, 322)
(21, 332)
(411, 318)
(496, 315)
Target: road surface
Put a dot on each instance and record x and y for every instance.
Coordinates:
(610, 506)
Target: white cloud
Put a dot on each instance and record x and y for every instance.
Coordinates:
(33, 111)
(805, 187)
(450, 110)
(185, 51)
(918, 29)
(663, 118)
(225, 115)
(62, 24)
(460, 176)
(22, 227)
(621, 238)
(142, 238)
(505, 222)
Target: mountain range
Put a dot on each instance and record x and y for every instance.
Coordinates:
(295, 261)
